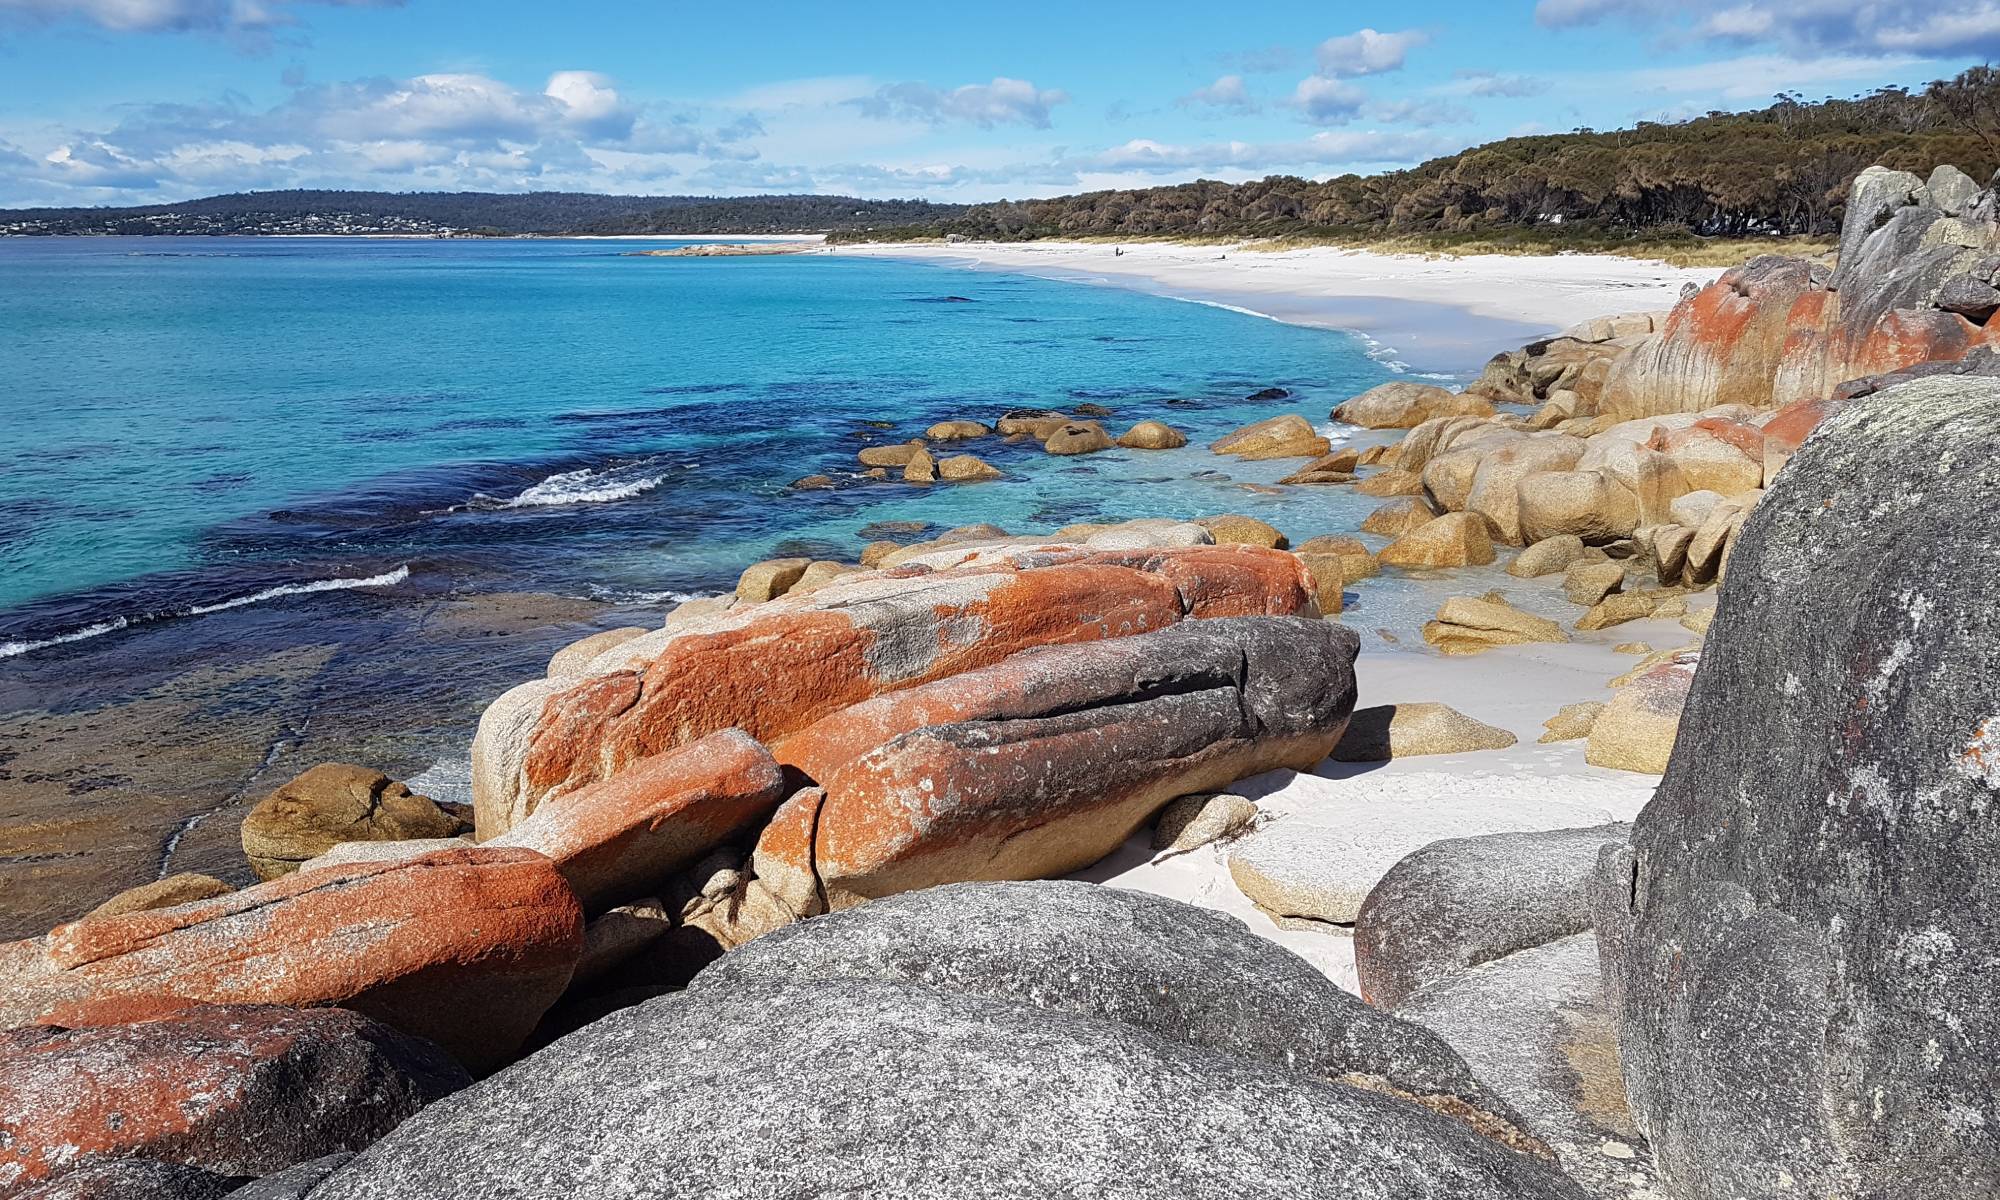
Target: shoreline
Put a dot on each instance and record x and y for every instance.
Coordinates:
(1391, 301)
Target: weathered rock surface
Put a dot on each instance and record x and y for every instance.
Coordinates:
(770, 579)
(131, 1179)
(1535, 1023)
(1047, 762)
(1399, 517)
(1463, 901)
(1589, 504)
(1390, 731)
(573, 658)
(1152, 435)
(334, 803)
(1793, 943)
(1287, 436)
(1572, 721)
(620, 839)
(1465, 625)
(465, 947)
(1236, 530)
(1637, 728)
(1399, 405)
(1182, 972)
(772, 669)
(957, 431)
(968, 468)
(1077, 437)
(237, 1090)
(1192, 822)
(1458, 539)
(162, 893)
(871, 1088)
(1391, 481)
(293, 1183)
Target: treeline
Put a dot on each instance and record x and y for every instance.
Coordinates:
(1781, 170)
(482, 212)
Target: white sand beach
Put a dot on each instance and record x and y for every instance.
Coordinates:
(1433, 314)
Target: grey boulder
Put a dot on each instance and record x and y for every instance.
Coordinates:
(1173, 969)
(132, 1179)
(1463, 901)
(1797, 942)
(859, 1089)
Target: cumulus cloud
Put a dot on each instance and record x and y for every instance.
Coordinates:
(1226, 94)
(1367, 52)
(443, 130)
(176, 16)
(1324, 101)
(1880, 27)
(1419, 112)
(1001, 102)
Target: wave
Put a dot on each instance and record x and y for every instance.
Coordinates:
(386, 579)
(585, 485)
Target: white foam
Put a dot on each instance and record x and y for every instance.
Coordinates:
(10, 649)
(583, 486)
(387, 579)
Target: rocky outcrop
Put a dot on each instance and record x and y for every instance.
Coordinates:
(335, 803)
(184, 888)
(1045, 763)
(1791, 942)
(465, 947)
(1637, 728)
(1077, 437)
(1402, 405)
(1288, 436)
(1182, 972)
(621, 838)
(1454, 540)
(1091, 1042)
(236, 1090)
(774, 668)
(1467, 626)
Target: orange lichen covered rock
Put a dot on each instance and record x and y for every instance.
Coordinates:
(1048, 761)
(234, 1089)
(465, 947)
(778, 667)
(622, 838)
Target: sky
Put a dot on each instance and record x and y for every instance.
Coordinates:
(143, 101)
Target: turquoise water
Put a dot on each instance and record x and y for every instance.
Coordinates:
(198, 425)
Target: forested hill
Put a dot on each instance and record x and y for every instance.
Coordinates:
(480, 212)
(1783, 169)
(1779, 170)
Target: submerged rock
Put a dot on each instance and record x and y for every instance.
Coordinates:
(1287, 436)
(1152, 435)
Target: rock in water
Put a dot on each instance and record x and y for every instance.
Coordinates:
(1463, 901)
(238, 1090)
(1796, 942)
(465, 947)
(334, 803)
(1171, 968)
(856, 1088)
(1047, 762)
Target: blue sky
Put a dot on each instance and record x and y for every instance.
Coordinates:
(135, 101)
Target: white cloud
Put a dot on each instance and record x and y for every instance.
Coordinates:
(175, 16)
(1226, 94)
(1345, 149)
(1489, 83)
(1755, 76)
(1002, 102)
(1862, 27)
(1324, 101)
(1367, 52)
(1419, 112)
(590, 102)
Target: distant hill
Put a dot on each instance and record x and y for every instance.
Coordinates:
(1780, 170)
(310, 211)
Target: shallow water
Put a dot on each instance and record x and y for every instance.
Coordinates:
(265, 503)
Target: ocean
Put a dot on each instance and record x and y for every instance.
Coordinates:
(269, 502)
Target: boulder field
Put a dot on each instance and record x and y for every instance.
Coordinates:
(759, 902)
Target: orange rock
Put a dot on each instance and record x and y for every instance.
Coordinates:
(777, 668)
(1048, 761)
(622, 838)
(236, 1089)
(465, 947)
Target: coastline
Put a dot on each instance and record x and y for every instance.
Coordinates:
(1426, 315)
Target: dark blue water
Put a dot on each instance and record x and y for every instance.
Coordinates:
(194, 423)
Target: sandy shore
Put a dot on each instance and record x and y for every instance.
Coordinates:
(1432, 315)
